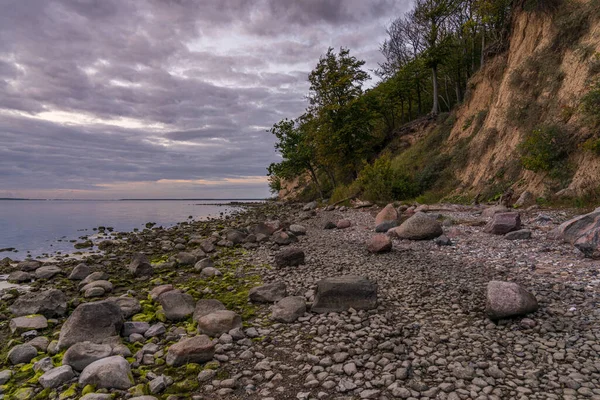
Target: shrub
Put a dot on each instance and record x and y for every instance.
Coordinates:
(544, 148)
(590, 104)
(379, 182)
(592, 145)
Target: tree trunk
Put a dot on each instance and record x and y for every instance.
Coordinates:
(315, 180)
(482, 46)
(435, 110)
(419, 102)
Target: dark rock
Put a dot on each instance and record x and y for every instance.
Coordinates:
(269, 293)
(443, 241)
(184, 258)
(29, 265)
(418, 227)
(235, 236)
(93, 322)
(49, 303)
(341, 293)
(207, 245)
(521, 234)
(583, 232)
(80, 272)
(508, 299)
(140, 266)
(502, 223)
(329, 225)
(289, 257)
(386, 226)
(20, 277)
(22, 353)
(129, 305)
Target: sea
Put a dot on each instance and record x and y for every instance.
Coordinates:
(46, 227)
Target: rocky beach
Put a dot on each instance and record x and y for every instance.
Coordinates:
(306, 302)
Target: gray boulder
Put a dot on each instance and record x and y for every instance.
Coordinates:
(310, 206)
(269, 293)
(129, 305)
(22, 353)
(29, 265)
(210, 272)
(47, 271)
(177, 305)
(28, 323)
(289, 257)
(19, 277)
(56, 377)
(418, 227)
(219, 322)
(583, 232)
(184, 258)
(235, 236)
(80, 272)
(521, 234)
(94, 276)
(341, 293)
(108, 373)
(385, 226)
(207, 306)
(140, 266)
(49, 303)
(508, 299)
(298, 230)
(502, 223)
(288, 309)
(93, 322)
(491, 211)
(204, 263)
(197, 349)
(525, 200)
(82, 354)
(131, 327)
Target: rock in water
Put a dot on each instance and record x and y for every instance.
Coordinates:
(289, 257)
(197, 349)
(140, 266)
(379, 244)
(219, 322)
(388, 214)
(583, 232)
(503, 223)
(341, 293)
(508, 299)
(289, 309)
(418, 227)
(269, 293)
(108, 373)
(50, 303)
(91, 322)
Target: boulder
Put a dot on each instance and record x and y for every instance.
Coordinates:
(93, 322)
(343, 224)
(140, 266)
(131, 327)
(28, 323)
(264, 229)
(197, 349)
(491, 211)
(502, 223)
(158, 290)
(41, 343)
(521, 234)
(329, 225)
(204, 263)
(29, 265)
(525, 200)
(94, 276)
(49, 303)
(207, 245)
(207, 306)
(108, 373)
(129, 305)
(310, 206)
(80, 272)
(106, 285)
(338, 294)
(289, 309)
(282, 238)
(443, 241)
(379, 244)
(210, 272)
(583, 232)
(418, 227)
(56, 377)
(268, 293)
(386, 226)
(21, 353)
(19, 277)
(289, 257)
(184, 258)
(155, 330)
(508, 299)
(298, 230)
(47, 271)
(235, 236)
(219, 322)
(177, 305)
(388, 214)
(82, 354)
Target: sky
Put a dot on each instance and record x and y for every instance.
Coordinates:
(106, 99)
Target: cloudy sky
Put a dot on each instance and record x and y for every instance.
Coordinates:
(161, 98)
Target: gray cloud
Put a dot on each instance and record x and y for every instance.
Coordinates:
(96, 92)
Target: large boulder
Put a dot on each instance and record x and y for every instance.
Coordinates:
(207, 306)
(80, 272)
(491, 211)
(388, 214)
(583, 232)
(47, 271)
(379, 244)
(235, 236)
(108, 373)
(341, 293)
(219, 322)
(19, 277)
(56, 377)
(508, 299)
(140, 266)
(289, 257)
(49, 303)
(418, 227)
(21, 353)
(289, 309)
(268, 293)
(177, 305)
(93, 322)
(28, 323)
(197, 349)
(525, 200)
(82, 354)
(502, 223)
(129, 305)
(29, 265)
(184, 258)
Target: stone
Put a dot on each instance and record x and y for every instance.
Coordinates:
(22, 353)
(235, 236)
(521, 234)
(219, 322)
(158, 290)
(129, 306)
(379, 244)
(310, 206)
(106, 285)
(264, 229)
(206, 375)
(56, 377)
(289, 309)
(93, 322)
(388, 214)
(184, 258)
(385, 226)
(155, 330)
(97, 396)
(418, 227)
(508, 299)
(502, 223)
(207, 306)
(177, 305)
(80, 272)
(443, 241)
(47, 271)
(204, 263)
(297, 230)
(329, 225)
(210, 272)
(108, 373)
(94, 292)
(158, 384)
(19, 277)
(5, 376)
(207, 245)
(526, 199)
(491, 211)
(343, 224)
(94, 276)
(49, 303)
(82, 354)
(289, 257)
(338, 294)
(28, 323)
(131, 327)
(583, 232)
(29, 265)
(282, 238)
(140, 266)
(40, 343)
(268, 293)
(197, 349)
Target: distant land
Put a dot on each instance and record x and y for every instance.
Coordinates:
(199, 199)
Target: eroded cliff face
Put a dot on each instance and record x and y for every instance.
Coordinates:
(540, 80)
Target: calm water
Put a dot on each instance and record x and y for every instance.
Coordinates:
(38, 225)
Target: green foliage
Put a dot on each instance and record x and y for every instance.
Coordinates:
(379, 182)
(544, 149)
(593, 145)
(590, 104)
